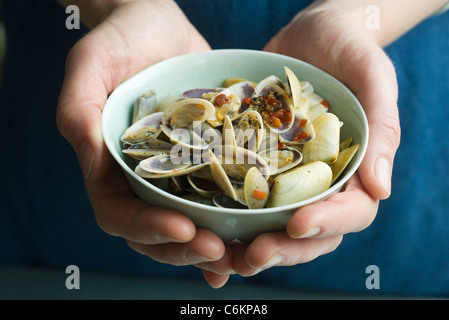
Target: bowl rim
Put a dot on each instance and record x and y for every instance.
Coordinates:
(294, 206)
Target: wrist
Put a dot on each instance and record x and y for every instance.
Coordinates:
(385, 20)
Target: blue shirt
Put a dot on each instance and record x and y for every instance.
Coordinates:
(46, 218)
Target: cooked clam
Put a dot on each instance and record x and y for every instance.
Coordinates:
(144, 105)
(300, 183)
(149, 127)
(326, 145)
(178, 121)
(256, 189)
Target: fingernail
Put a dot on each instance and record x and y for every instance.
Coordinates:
(194, 257)
(207, 266)
(312, 232)
(85, 157)
(382, 170)
(274, 261)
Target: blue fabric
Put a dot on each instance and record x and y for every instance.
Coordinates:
(45, 215)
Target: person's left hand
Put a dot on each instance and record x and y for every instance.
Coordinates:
(333, 40)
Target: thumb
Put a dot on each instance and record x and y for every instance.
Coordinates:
(78, 116)
(375, 85)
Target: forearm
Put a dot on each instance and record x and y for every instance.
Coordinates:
(395, 17)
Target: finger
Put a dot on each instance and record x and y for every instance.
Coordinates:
(83, 95)
(206, 246)
(278, 249)
(349, 211)
(215, 280)
(374, 82)
(222, 266)
(118, 212)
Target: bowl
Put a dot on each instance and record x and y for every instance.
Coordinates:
(176, 75)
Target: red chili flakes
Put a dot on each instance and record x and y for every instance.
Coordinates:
(221, 99)
(248, 101)
(300, 136)
(302, 123)
(326, 104)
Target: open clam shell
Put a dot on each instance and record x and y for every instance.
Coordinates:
(299, 184)
(301, 131)
(282, 160)
(149, 148)
(256, 189)
(163, 166)
(182, 120)
(275, 107)
(144, 105)
(326, 145)
(220, 176)
(249, 131)
(204, 187)
(148, 127)
(236, 161)
(344, 158)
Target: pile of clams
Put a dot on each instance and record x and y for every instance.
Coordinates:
(245, 145)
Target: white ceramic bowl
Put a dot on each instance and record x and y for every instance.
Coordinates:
(176, 75)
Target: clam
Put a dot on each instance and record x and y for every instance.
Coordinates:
(204, 187)
(231, 81)
(326, 145)
(236, 161)
(282, 160)
(163, 166)
(180, 118)
(220, 177)
(275, 107)
(146, 149)
(229, 101)
(301, 131)
(249, 131)
(144, 105)
(263, 86)
(228, 134)
(149, 127)
(222, 200)
(256, 189)
(344, 158)
(300, 183)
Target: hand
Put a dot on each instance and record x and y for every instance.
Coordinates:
(335, 39)
(132, 36)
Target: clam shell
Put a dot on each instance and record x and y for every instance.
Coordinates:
(344, 158)
(255, 182)
(182, 120)
(204, 187)
(301, 131)
(249, 130)
(161, 166)
(149, 127)
(282, 160)
(143, 150)
(326, 145)
(220, 176)
(300, 184)
(222, 200)
(144, 105)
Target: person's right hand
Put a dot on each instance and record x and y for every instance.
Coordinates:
(130, 37)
